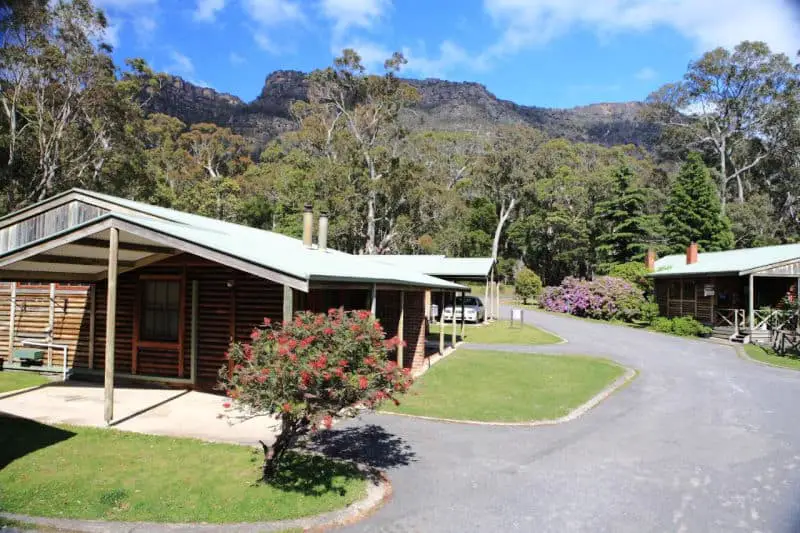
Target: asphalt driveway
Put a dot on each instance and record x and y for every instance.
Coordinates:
(701, 441)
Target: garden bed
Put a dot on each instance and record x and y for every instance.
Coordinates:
(88, 473)
(495, 386)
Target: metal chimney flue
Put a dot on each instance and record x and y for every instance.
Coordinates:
(308, 225)
(322, 236)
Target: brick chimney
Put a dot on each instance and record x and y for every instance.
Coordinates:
(691, 254)
(650, 260)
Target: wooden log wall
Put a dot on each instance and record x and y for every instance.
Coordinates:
(70, 319)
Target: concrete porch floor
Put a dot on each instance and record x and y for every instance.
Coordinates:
(141, 409)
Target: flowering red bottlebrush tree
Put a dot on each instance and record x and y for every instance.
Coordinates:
(309, 370)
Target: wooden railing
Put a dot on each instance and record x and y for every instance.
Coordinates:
(785, 341)
(734, 318)
(775, 319)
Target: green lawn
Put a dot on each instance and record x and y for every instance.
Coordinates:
(13, 380)
(507, 387)
(767, 355)
(105, 474)
(497, 333)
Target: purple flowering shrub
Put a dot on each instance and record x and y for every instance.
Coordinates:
(604, 298)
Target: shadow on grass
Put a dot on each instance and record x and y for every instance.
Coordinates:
(20, 436)
(370, 445)
(313, 475)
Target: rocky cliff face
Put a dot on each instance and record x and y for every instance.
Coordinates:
(443, 105)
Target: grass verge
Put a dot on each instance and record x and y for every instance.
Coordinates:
(89, 473)
(767, 355)
(499, 332)
(14, 380)
(491, 386)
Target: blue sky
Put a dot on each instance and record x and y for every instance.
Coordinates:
(550, 53)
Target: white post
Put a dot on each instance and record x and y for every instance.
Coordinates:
(51, 316)
(288, 303)
(12, 319)
(750, 304)
(455, 322)
(441, 325)
(462, 315)
(194, 335)
(111, 323)
(497, 303)
(373, 303)
(400, 332)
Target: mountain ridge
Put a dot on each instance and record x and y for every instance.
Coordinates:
(443, 105)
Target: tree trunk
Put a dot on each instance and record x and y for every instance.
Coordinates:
(290, 430)
(370, 245)
(504, 213)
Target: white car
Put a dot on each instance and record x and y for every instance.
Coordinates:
(473, 310)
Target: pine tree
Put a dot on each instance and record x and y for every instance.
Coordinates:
(693, 212)
(623, 224)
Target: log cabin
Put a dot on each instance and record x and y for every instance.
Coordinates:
(162, 293)
(737, 292)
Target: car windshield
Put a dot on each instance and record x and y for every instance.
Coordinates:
(469, 300)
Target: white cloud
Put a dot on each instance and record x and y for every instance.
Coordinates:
(354, 13)
(645, 74)
(451, 56)
(124, 4)
(707, 23)
(144, 26)
(265, 43)
(236, 59)
(206, 10)
(273, 12)
(111, 34)
(181, 64)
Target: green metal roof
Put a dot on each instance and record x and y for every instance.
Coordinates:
(439, 265)
(267, 249)
(738, 262)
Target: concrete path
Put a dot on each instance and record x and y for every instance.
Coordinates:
(142, 409)
(701, 441)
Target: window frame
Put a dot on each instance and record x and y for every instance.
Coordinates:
(142, 309)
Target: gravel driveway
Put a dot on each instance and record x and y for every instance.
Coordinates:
(701, 441)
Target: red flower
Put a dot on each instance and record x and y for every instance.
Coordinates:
(355, 328)
(287, 407)
(328, 331)
(226, 405)
(265, 371)
(369, 361)
(342, 363)
(377, 326)
(267, 321)
(255, 335)
(362, 382)
(363, 315)
(327, 421)
(305, 377)
(293, 357)
(326, 376)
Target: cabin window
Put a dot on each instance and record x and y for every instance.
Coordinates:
(688, 290)
(160, 310)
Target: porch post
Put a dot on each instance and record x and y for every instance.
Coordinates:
(400, 333)
(497, 299)
(455, 322)
(750, 304)
(486, 302)
(111, 323)
(92, 314)
(288, 303)
(491, 295)
(193, 340)
(441, 325)
(462, 315)
(373, 304)
(12, 319)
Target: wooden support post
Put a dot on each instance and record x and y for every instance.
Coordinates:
(111, 324)
(373, 299)
(462, 315)
(750, 304)
(92, 318)
(182, 324)
(441, 326)
(455, 322)
(497, 300)
(486, 302)
(194, 336)
(400, 332)
(491, 295)
(288, 303)
(12, 319)
(51, 321)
